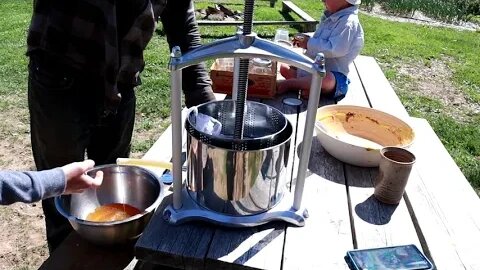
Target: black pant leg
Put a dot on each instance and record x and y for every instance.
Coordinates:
(62, 112)
(111, 138)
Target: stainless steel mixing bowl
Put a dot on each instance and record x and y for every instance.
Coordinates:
(121, 184)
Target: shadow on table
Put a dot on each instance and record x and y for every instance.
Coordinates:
(271, 232)
(77, 253)
(197, 244)
(375, 212)
(323, 164)
(262, 243)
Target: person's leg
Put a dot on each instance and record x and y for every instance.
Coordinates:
(341, 86)
(303, 83)
(287, 71)
(111, 138)
(181, 29)
(328, 84)
(59, 119)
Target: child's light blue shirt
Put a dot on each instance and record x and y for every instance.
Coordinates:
(339, 37)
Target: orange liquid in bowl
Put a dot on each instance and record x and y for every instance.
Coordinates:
(112, 212)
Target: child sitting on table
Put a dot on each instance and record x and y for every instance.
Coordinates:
(340, 38)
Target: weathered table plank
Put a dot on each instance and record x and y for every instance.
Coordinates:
(446, 208)
(376, 224)
(322, 242)
(327, 222)
(183, 246)
(356, 94)
(379, 91)
(247, 248)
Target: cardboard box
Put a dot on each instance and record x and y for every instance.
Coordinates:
(259, 85)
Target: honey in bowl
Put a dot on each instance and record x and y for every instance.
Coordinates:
(112, 212)
(366, 129)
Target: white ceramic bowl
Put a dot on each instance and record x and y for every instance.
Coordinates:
(355, 134)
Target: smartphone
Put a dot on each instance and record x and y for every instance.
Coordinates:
(407, 257)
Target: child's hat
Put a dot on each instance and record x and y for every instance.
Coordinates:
(354, 2)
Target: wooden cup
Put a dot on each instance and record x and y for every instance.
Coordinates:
(395, 166)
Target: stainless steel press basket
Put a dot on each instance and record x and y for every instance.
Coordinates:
(263, 126)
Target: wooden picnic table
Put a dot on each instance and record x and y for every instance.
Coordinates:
(440, 212)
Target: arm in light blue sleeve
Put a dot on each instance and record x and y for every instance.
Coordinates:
(337, 44)
(30, 186)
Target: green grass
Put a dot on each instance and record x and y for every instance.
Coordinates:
(154, 94)
(392, 44)
(461, 139)
(13, 63)
(463, 143)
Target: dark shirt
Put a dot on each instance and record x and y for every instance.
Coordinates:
(102, 37)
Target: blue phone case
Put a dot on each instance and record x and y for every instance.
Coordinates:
(407, 257)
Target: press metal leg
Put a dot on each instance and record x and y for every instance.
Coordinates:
(176, 118)
(313, 100)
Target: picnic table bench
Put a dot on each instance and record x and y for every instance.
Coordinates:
(307, 23)
(440, 212)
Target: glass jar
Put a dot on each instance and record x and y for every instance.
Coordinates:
(225, 64)
(261, 66)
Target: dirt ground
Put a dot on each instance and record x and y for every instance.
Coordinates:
(22, 237)
(22, 229)
(435, 82)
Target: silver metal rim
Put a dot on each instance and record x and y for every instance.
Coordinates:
(225, 143)
(147, 210)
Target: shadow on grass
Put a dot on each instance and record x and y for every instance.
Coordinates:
(289, 17)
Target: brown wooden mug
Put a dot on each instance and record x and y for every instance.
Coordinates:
(395, 166)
